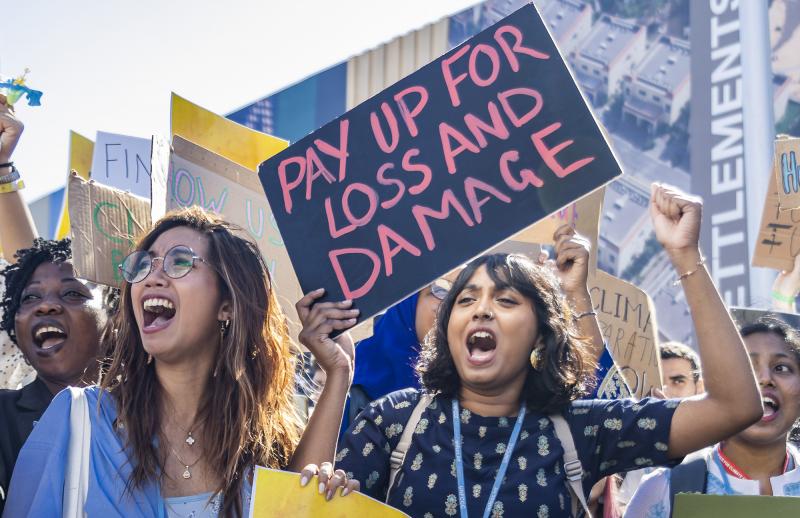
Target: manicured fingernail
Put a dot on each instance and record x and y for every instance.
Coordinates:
(345, 491)
(303, 481)
(352, 320)
(319, 290)
(329, 495)
(321, 488)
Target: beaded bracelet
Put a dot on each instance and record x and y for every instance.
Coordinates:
(10, 177)
(682, 276)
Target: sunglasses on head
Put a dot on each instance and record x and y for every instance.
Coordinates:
(440, 288)
(176, 263)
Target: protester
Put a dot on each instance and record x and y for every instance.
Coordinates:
(199, 389)
(16, 232)
(680, 370)
(56, 321)
(756, 461)
(505, 355)
(682, 377)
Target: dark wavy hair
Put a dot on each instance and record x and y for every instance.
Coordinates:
(248, 408)
(567, 368)
(17, 275)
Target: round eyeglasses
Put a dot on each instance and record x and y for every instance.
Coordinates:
(176, 263)
(440, 287)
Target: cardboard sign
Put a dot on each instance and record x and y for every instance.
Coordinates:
(196, 176)
(456, 157)
(583, 215)
(628, 325)
(786, 169)
(235, 142)
(122, 162)
(278, 493)
(779, 234)
(691, 505)
(80, 161)
(105, 225)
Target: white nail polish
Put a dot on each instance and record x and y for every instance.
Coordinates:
(321, 488)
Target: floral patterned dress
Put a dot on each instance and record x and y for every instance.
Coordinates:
(610, 436)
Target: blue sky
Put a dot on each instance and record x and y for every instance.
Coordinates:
(111, 65)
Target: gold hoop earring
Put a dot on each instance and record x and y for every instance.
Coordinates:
(536, 358)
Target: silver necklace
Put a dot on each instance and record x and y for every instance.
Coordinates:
(186, 473)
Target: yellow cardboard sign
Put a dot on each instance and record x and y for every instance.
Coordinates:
(278, 493)
(80, 161)
(245, 146)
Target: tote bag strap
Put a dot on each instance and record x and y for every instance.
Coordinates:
(76, 479)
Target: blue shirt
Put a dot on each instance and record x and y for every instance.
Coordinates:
(610, 436)
(37, 486)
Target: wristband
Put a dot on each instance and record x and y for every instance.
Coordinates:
(584, 314)
(10, 177)
(14, 186)
(780, 297)
(7, 164)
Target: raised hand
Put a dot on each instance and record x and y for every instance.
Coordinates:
(10, 131)
(319, 320)
(572, 260)
(676, 218)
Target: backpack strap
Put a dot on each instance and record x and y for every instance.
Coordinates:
(398, 455)
(690, 476)
(573, 468)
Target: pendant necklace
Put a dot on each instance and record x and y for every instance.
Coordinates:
(186, 473)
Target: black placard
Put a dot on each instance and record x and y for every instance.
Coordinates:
(437, 168)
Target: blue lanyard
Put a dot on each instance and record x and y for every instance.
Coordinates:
(501, 473)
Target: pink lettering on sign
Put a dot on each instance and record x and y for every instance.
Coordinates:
(286, 185)
(421, 214)
(377, 131)
(407, 114)
(549, 154)
(471, 187)
(516, 48)
(362, 290)
(516, 119)
(446, 133)
(340, 152)
(401, 188)
(384, 235)
(527, 177)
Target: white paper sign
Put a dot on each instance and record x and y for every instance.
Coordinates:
(122, 162)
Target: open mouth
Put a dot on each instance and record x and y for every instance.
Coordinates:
(771, 408)
(157, 313)
(481, 345)
(49, 335)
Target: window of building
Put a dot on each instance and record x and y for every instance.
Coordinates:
(596, 72)
(656, 98)
(584, 67)
(643, 93)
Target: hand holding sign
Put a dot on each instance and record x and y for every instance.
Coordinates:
(10, 130)
(320, 320)
(676, 219)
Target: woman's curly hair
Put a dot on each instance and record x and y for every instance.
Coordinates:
(568, 365)
(18, 275)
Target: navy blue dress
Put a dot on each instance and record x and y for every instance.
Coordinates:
(611, 436)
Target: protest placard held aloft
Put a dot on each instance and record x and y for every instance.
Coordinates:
(449, 161)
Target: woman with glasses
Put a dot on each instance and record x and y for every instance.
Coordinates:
(200, 385)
